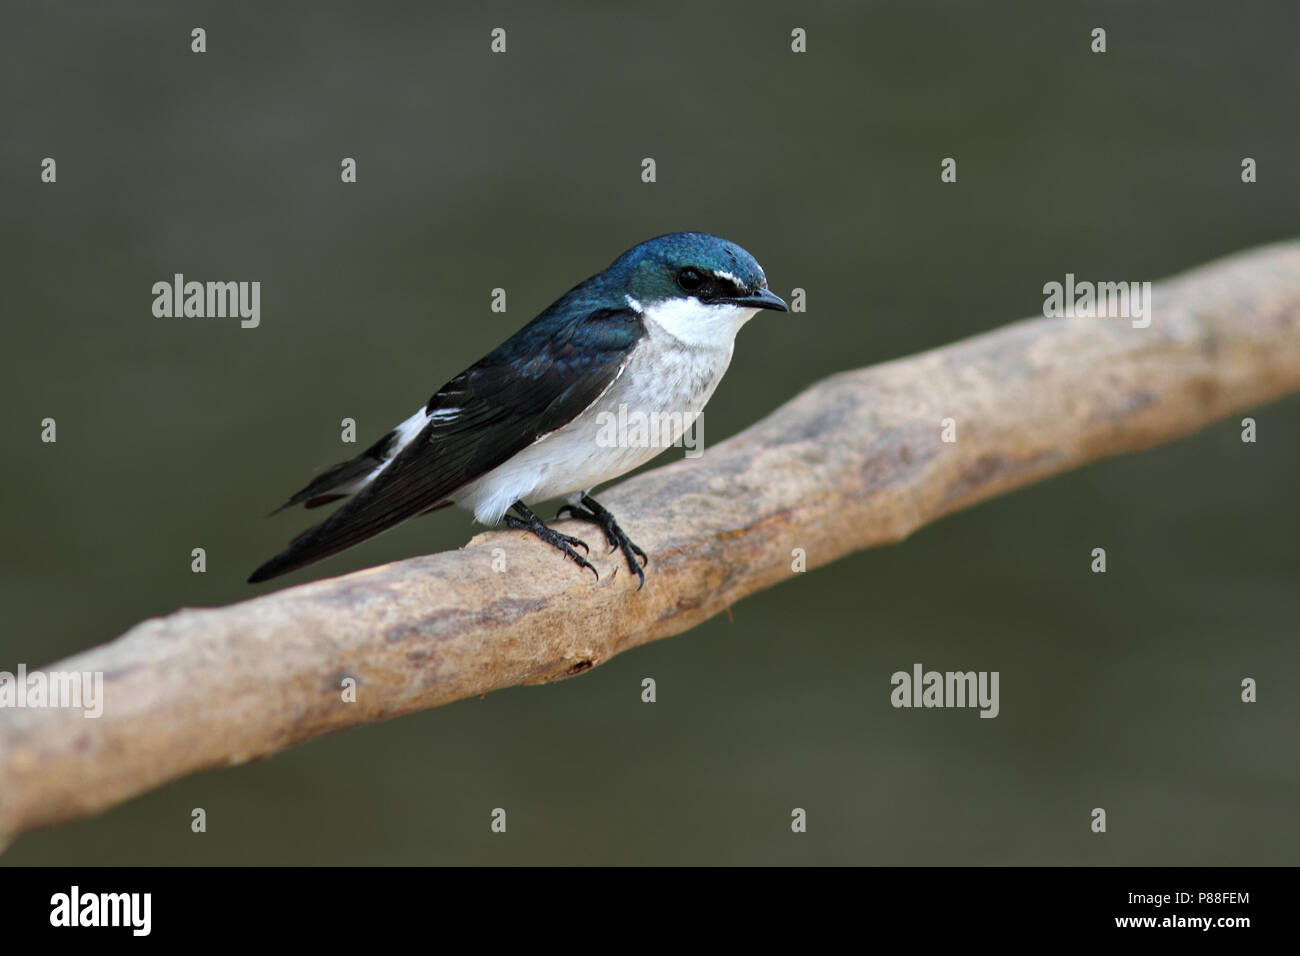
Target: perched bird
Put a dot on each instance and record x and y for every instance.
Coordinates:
(652, 334)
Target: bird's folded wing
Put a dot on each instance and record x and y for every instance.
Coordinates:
(537, 381)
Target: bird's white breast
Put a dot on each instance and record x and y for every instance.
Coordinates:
(671, 373)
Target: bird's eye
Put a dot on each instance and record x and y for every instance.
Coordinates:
(690, 280)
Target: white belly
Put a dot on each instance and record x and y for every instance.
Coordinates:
(665, 385)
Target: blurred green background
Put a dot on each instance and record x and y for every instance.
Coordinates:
(522, 171)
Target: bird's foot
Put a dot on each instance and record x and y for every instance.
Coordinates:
(592, 511)
(530, 522)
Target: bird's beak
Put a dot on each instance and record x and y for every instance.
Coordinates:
(762, 299)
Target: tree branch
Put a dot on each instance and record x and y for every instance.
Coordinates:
(854, 462)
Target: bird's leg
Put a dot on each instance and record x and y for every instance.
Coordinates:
(594, 512)
(528, 521)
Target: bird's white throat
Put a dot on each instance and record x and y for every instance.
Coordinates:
(695, 323)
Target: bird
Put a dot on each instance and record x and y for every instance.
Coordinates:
(651, 334)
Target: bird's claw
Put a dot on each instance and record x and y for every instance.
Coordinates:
(615, 536)
(582, 562)
(565, 543)
(574, 542)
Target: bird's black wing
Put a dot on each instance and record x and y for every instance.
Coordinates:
(540, 379)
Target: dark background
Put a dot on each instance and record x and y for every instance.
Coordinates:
(523, 171)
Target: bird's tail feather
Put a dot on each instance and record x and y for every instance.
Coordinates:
(356, 521)
(343, 479)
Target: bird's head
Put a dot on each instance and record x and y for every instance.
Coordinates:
(695, 285)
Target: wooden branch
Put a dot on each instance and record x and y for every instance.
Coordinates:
(854, 462)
